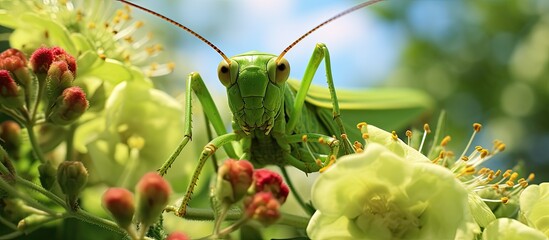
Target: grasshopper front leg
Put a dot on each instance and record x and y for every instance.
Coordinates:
(320, 53)
(208, 151)
(196, 84)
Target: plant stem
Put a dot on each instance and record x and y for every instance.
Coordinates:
(87, 217)
(295, 193)
(228, 229)
(201, 214)
(13, 192)
(70, 141)
(34, 143)
(293, 220)
(33, 186)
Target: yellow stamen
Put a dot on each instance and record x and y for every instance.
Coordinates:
(445, 141)
(483, 153)
(477, 127)
(504, 200)
(426, 128)
(409, 136)
(394, 135)
(361, 125)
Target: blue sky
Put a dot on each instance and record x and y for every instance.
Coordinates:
(363, 49)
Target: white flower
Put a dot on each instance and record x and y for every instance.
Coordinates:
(378, 194)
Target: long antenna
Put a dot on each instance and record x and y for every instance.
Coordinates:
(182, 27)
(341, 14)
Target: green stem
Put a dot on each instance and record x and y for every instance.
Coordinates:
(41, 81)
(25, 197)
(7, 223)
(104, 223)
(201, 214)
(80, 214)
(220, 218)
(235, 226)
(129, 169)
(309, 210)
(70, 142)
(293, 220)
(13, 114)
(48, 194)
(12, 235)
(34, 142)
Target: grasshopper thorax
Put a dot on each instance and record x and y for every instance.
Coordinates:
(255, 85)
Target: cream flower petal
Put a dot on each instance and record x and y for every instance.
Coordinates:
(378, 194)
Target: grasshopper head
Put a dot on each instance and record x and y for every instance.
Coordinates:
(255, 86)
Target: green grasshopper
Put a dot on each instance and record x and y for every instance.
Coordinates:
(282, 122)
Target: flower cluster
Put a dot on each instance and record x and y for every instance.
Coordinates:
(152, 196)
(389, 190)
(46, 77)
(261, 191)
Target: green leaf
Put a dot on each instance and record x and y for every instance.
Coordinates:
(7, 20)
(58, 34)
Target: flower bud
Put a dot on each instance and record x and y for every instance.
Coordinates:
(61, 55)
(13, 54)
(10, 134)
(153, 193)
(41, 60)
(262, 207)
(14, 209)
(269, 181)
(72, 177)
(119, 202)
(69, 106)
(59, 78)
(233, 180)
(33, 222)
(177, 236)
(15, 62)
(47, 175)
(9, 91)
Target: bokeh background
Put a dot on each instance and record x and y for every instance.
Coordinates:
(483, 61)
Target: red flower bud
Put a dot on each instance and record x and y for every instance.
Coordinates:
(61, 55)
(119, 202)
(9, 91)
(8, 87)
(15, 61)
(269, 181)
(69, 106)
(262, 207)
(153, 193)
(12, 59)
(41, 60)
(59, 78)
(233, 180)
(178, 236)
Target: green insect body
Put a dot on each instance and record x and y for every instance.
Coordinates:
(278, 121)
(261, 102)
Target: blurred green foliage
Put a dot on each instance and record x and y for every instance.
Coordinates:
(483, 61)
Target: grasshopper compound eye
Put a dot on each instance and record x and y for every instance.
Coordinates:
(279, 71)
(227, 72)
